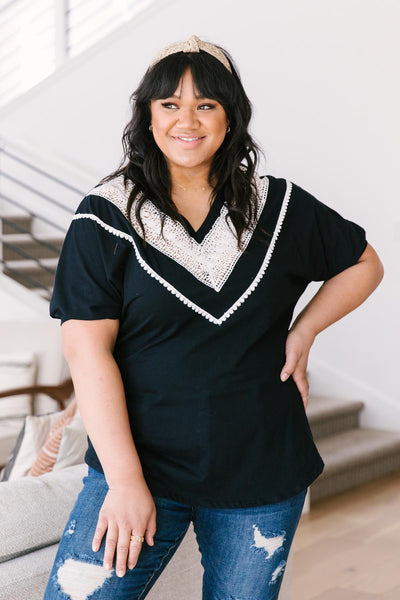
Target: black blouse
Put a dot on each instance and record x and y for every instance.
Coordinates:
(202, 335)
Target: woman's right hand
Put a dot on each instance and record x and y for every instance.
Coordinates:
(128, 508)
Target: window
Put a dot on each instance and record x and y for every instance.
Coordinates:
(27, 41)
(37, 37)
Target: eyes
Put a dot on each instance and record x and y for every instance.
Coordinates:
(174, 106)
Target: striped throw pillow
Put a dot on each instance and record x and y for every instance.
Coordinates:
(47, 455)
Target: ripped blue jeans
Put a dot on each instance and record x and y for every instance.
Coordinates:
(243, 550)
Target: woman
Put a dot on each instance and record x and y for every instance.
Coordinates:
(176, 288)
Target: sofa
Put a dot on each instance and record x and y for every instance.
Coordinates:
(33, 513)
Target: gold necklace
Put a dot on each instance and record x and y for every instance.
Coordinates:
(185, 189)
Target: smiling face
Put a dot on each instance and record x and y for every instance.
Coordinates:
(187, 128)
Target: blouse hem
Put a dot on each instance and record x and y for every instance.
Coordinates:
(247, 503)
(162, 492)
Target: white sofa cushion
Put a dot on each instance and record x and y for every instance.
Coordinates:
(25, 577)
(9, 430)
(73, 444)
(16, 370)
(182, 577)
(27, 446)
(32, 438)
(34, 510)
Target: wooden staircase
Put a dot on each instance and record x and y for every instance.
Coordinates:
(28, 258)
(36, 208)
(352, 455)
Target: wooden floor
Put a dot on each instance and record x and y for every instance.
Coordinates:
(348, 547)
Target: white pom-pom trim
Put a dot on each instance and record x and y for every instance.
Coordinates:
(174, 291)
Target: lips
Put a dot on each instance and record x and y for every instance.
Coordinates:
(187, 141)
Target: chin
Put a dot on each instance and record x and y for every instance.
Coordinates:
(189, 164)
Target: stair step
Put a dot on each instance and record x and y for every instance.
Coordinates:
(13, 222)
(16, 269)
(42, 293)
(328, 415)
(353, 457)
(33, 247)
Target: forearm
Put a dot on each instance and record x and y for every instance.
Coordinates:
(340, 295)
(102, 405)
(335, 299)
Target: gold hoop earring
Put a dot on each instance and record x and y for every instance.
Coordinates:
(228, 129)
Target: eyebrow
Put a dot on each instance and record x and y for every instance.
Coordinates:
(198, 97)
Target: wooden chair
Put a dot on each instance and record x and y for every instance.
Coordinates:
(60, 392)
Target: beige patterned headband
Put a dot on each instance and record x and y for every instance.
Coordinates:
(193, 44)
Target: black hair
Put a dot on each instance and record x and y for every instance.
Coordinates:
(232, 171)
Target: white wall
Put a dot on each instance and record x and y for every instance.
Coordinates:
(323, 78)
(26, 327)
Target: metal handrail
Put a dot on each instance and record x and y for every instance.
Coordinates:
(32, 214)
(28, 256)
(28, 187)
(24, 231)
(8, 265)
(30, 280)
(65, 184)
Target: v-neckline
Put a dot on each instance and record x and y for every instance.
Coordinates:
(199, 234)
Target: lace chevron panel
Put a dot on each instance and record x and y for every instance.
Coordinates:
(181, 297)
(211, 261)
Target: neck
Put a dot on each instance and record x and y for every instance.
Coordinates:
(190, 179)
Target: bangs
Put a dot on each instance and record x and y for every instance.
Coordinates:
(211, 78)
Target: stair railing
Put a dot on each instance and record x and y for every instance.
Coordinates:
(24, 191)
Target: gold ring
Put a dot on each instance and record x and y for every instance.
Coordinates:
(137, 538)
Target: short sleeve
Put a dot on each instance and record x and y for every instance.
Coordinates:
(90, 273)
(326, 242)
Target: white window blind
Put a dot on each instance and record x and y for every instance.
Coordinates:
(27, 39)
(90, 20)
(36, 36)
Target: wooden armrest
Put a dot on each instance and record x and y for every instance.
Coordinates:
(60, 392)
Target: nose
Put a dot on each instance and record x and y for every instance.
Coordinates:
(187, 119)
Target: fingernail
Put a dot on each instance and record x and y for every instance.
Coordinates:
(284, 376)
(94, 547)
(107, 566)
(120, 573)
(130, 567)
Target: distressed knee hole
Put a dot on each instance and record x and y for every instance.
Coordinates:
(79, 579)
(278, 572)
(269, 543)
